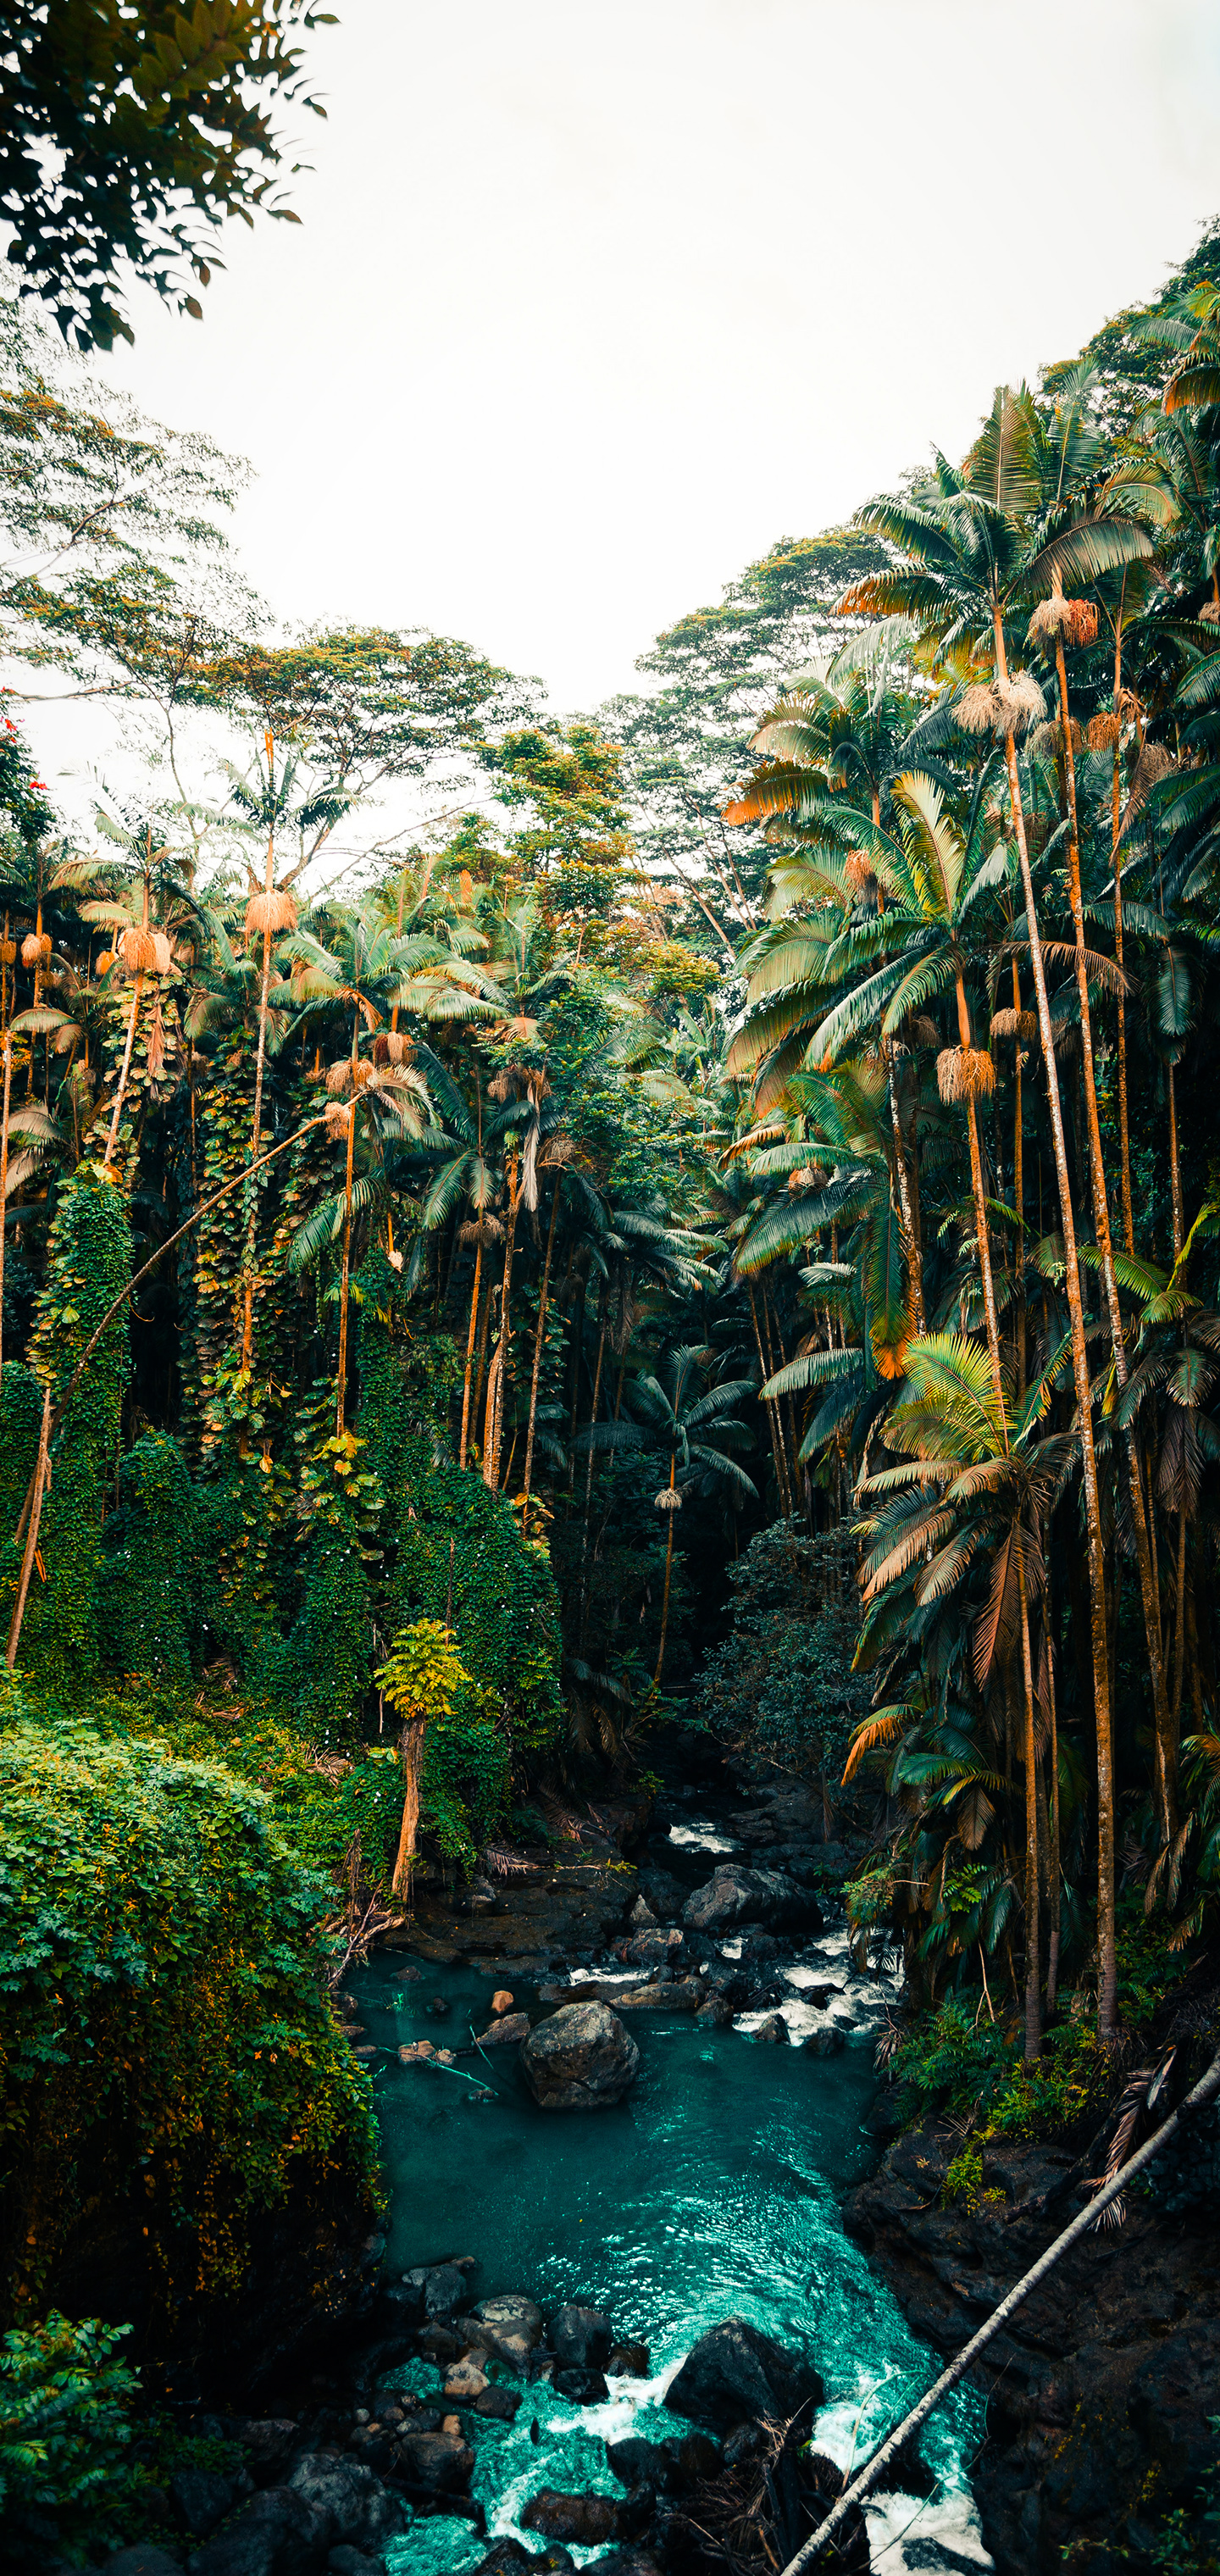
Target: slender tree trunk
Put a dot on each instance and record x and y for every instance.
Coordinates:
(909, 1228)
(539, 1337)
(1056, 1864)
(671, 1517)
(1124, 1140)
(474, 1314)
(1018, 1195)
(495, 1387)
(597, 1393)
(341, 1391)
(41, 1481)
(480, 1370)
(121, 1093)
(1149, 1600)
(1033, 1974)
(771, 1410)
(4, 1119)
(1175, 1168)
(411, 1748)
(980, 1202)
(1107, 1998)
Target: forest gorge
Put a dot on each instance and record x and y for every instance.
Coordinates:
(706, 1234)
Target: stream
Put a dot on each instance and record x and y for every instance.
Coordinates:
(712, 2190)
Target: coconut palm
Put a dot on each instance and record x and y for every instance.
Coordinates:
(694, 1425)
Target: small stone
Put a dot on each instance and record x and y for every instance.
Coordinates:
(451, 2423)
(773, 2030)
(585, 2519)
(465, 2380)
(503, 2034)
(499, 2405)
(628, 2361)
(502, 2001)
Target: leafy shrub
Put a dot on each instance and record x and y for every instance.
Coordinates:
(168, 2047)
(782, 1681)
(65, 2402)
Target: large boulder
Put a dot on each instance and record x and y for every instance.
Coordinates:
(509, 2327)
(735, 1895)
(441, 2462)
(580, 2059)
(734, 2374)
(583, 2337)
(360, 2509)
(279, 2533)
(585, 2519)
(651, 1948)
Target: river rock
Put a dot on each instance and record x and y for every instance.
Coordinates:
(464, 2381)
(825, 2043)
(268, 2443)
(359, 2508)
(199, 2499)
(585, 2519)
(499, 2405)
(581, 2337)
(675, 1994)
(650, 1948)
(506, 2033)
(442, 2462)
(735, 1895)
(623, 2562)
(502, 2001)
(774, 2030)
(664, 1893)
(581, 2059)
(733, 2373)
(345, 2561)
(279, 2533)
(508, 2555)
(628, 2361)
(717, 2012)
(584, 2387)
(442, 2287)
(641, 1917)
(509, 2326)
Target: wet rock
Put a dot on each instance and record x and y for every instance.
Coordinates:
(736, 1895)
(584, 2387)
(628, 2361)
(641, 1917)
(510, 2327)
(585, 2519)
(268, 2443)
(345, 2561)
(441, 2462)
(441, 2286)
(741, 2444)
(439, 2008)
(908, 2474)
(199, 2499)
(717, 2012)
(506, 2033)
(502, 2001)
(581, 2337)
(677, 1994)
(650, 1948)
(498, 2404)
(442, 2344)
(623, 2562)
(144, 2558)
(825, 2043)
(508, 2555)
(403, 2301)
(464, 2381)
(664, 1893)
(774, 2031)
(581, 2059)
(734, 2373)
(278, 2533)
(358, 2507)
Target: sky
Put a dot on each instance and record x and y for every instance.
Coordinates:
(590, 305)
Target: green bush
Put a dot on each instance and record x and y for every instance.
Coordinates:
(150, 1586)
(169, 2056)
(782, 1681)
(65, 2405)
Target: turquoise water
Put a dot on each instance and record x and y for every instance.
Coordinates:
(711, 2191)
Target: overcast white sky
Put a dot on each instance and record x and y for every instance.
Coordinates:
(591, 303)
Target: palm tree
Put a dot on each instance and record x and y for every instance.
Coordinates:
(673, 1415)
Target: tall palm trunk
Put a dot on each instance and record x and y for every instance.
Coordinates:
(474, 1317)
(1018, 1191)
(494, 1417)
(1107, 1983)
(539, 1338)
(774, 1425)
(980, 1201)
(4, 1119)
(597, 1394)
(247, 1330)
(902, 1175)
(1054, 1868)
(1124, 1140)
(1175, 1168)
(345, 1275)
(1033, 1975)
(671, 1517)
(411, 1751)
(1165, 1731)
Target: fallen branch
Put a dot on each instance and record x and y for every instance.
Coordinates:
(1205, 2091)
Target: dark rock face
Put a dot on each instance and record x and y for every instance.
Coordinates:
(144, 2558)
(734, 2373)
(581, 2059)
(581, 2336)
(441, 2462)
(506, 2033)
(651, 1949)
(269, 2443)
(584, 2387)
(277, 2534)
(583, 2518)
(200, 2499)
(774, 2030)
(499, 2405)
(359, 2508)
(510, 2327)
(735, 1895)
(1101, 2384)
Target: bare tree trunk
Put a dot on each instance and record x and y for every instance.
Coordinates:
(412, 1751)
(1107, 1997)
(341, 1394)
(42, 1478)
(1018, 1194)
(1175, 1168)
(1124, 1140)
(980, 1202)
(671, 1517)
(914, 1256)
(4, 1119)
(539, 1337)
(494, 1419)
(772, 1409)
(1033, 1976)
(121, 1093)
(474, 1313)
